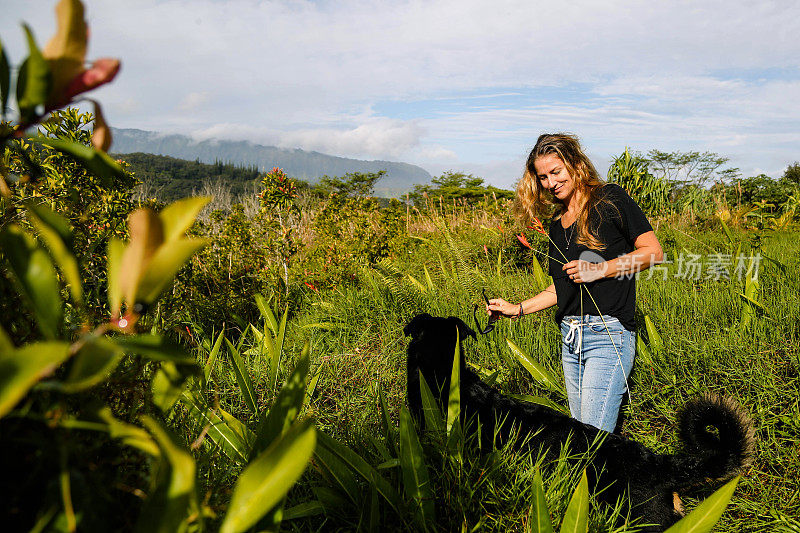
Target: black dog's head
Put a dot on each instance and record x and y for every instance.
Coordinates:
(431, 351)
(424, 322)
(433, 339)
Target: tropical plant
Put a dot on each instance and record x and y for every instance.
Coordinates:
(64, 379)
(650, 192)
(48, 80)
(76, 377)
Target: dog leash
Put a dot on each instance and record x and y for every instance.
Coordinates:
(492, 318)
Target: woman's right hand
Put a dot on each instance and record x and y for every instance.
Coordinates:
(502, 307)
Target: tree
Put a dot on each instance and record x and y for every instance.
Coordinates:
(792, 174)
(352, 184)
(694, 167)
(457, 185)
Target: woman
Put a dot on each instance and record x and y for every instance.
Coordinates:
(599, 238)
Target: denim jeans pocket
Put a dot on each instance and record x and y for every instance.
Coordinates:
(608, 324)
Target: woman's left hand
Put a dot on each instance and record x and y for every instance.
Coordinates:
(585, 272)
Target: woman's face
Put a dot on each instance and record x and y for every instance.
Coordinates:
(553, 175)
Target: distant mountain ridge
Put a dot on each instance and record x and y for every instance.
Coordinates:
(309, 166)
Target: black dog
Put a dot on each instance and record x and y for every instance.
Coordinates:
(652, 480)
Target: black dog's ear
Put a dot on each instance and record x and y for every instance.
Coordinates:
(415, 325)
(463, 329)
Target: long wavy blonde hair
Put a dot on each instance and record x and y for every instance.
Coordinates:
(535, 201)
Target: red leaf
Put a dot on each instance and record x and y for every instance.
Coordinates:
(521, 238)
(101, 72)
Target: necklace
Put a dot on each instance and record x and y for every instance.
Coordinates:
(571, 231)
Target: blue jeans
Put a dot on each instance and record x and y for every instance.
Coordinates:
(597, 360)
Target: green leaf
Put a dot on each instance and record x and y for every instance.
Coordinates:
(386, 424)
(428, 279)
(93, 363)
(208, 370)
(179, 216)
(642, 348)
(753, 302)
(128, 434)
(342, 476)
(542, 280)
(537, 371)
(416, 283)
(541, 401)
(57, 236)
(312, 384)
(277, 352)
(243, 378)
(116, 248)
(242, 431)
(333, 502)
(266, 312)
(389, 463)
(415, 474)
(304, 510)
(382, 450)
(97, 162)
(268, 478)
(358, 465)
(726, 231)
(22, 369)
(33, 81)
(370, 513)
(168, 384)
(257, 335)
(454, 396)
(229, 441)
(164, 265)
(656, 343)
(540, 515)
(705, 515)
(750, 294)
(168, 508)
(576, 517)
(455, 438)
(37, 278)
(434, 421)
(5, 81)
(155, 347)
(287, 406)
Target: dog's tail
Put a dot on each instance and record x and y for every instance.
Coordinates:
(718, 440)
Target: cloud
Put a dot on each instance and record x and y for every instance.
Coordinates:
(436, 154)
(193, 101)
(672, 75)
(228, 131)
(376, 138)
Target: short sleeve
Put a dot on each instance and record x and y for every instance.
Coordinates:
(633, 220)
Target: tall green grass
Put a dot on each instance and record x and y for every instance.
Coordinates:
(355, 336)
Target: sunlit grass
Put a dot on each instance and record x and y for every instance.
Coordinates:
(356, 338)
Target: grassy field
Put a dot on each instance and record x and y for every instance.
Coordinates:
(358, 350)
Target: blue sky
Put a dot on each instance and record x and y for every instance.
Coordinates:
(461, 85)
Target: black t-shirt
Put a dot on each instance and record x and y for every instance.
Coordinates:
(617, 226)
